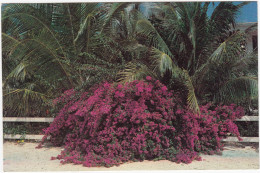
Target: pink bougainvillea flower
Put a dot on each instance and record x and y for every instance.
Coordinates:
(136, 121)
(148, 78)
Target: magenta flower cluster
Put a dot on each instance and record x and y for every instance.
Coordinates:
(136, 121)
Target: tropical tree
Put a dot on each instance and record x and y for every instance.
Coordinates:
(48, 48)
(197, 55)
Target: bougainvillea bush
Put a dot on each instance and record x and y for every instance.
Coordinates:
(136, 121)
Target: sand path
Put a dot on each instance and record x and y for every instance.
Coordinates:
(24, 157)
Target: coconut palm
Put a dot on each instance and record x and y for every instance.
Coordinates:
(48, 48)
(197, 55)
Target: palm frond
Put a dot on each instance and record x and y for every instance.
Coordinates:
(23, 100)
(191, 99)
(39, 54)
(227, 52)
(224, 15)
(19, 73)
(237, 89)
(8, 42)
(248, 64)
(23, 23)
(114, 13)
(134, 71)
(146, 28)
(83, 33)
(162, 62)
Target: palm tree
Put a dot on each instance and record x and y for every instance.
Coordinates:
(48, 48)
(196, 55)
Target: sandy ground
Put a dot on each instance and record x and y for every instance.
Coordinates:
(24, 157)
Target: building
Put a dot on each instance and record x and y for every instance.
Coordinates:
(251, 31)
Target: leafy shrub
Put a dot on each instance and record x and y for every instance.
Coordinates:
(23, 128)
(136, 121)
(248, 128)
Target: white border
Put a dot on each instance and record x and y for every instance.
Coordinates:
(78, 1)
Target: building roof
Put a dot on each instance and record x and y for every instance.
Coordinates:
(244, 26)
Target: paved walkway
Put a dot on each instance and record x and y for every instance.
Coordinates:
(24, 157)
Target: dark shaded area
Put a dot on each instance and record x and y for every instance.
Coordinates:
(248, 128)
(23, 128)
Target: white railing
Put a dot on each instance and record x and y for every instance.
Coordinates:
(40, 119)
(27, 119)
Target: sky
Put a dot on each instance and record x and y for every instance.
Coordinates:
(248, 13)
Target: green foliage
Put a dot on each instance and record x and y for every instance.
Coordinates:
(198, 55)
(21, 128)
(15, 129)
(49, 48)
(249, 128)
